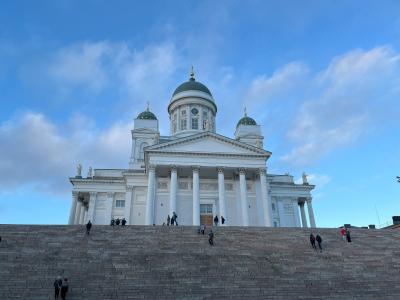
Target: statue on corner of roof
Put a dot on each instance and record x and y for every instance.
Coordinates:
(90, 173)
(304, 176)
(79, 171)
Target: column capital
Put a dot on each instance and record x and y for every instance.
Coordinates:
(309, 200)
(92, 194)
(300, 202)
(152, 167)
(242, 171)
(262, 171)
(173, 168)
(195, 169)
(220, 169)
(110, 194)
(75, 194)
(130, 188)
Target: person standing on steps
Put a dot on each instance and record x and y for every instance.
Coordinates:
(348, 237)
(88, 227)
(312, 241)
(319, 241)
(222, 220)
(174, 217)
(216, 220)
(117, 221)
(57, 286)
(112, 222)
(168, 220)
(343, 233)
(211, 238)
(123, 222)
(202, 228)
(64, 288)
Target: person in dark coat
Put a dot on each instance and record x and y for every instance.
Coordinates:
(216, 220)
(168, 220)
(312, 241)
(64, 288)
(123, 222)
(88, 227)
(211, 238)
(112, 222)
(222, 220)
(117, 221)
(348, 237)
(57, 285)
(319, 241)
(175, 216)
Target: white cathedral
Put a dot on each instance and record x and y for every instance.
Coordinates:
(195, 172)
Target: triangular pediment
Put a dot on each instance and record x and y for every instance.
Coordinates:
(209, 143)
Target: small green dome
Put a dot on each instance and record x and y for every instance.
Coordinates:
(147, 115)
(246, 121)
(192, 85)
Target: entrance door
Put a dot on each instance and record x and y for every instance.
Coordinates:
(206, 214)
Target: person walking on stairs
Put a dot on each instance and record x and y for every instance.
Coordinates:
(88, 227)
(168, 220)
(64, 288)
(319, 241)
(348, 237)
(211, 238)
(117, 221)
(312, 241)
(343, 233)
(57, 286)
(112, 222)
(173, 219)
(123, 222)
(216, 220)
(222, 220)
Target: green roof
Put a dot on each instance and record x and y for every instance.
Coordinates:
(246, 121)
(192, 85)
(147, 115)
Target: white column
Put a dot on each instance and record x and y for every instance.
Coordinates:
(109, 207)
(77, 212)
(296, 212)
(150, 195)
(265, 199)
(196, 197)
(311, 213)
(243, 197)
(221, 195)
(128, 203)
(173, 190)
(303, 214)
(73, 207)
(82, 214)
(92, 207)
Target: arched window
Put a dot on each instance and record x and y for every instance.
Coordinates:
(141, 153)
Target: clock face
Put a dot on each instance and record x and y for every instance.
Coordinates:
(194, 111)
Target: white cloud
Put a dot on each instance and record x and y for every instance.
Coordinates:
(321, 112)
(96, 66)
(36, 152)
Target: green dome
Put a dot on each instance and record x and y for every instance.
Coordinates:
(146, 115)
(246, 121)
(192, 85)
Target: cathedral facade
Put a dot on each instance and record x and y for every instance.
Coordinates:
(194, 172)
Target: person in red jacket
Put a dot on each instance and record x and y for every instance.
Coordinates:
(343, 233)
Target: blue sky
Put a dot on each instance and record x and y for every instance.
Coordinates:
(321, 77)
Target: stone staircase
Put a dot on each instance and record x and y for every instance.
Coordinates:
(155, 262)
